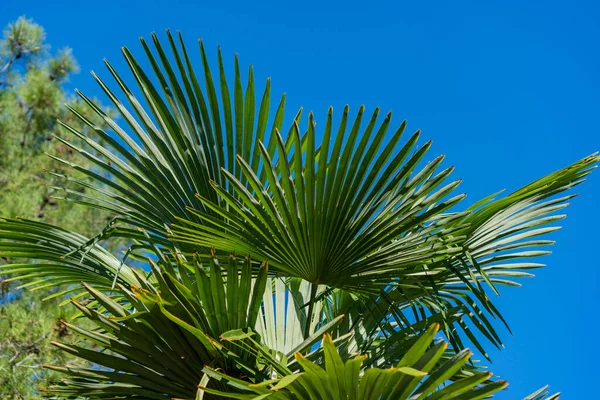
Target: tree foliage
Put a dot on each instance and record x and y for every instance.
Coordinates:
(32, 97)
(280, 265)
(28, 325)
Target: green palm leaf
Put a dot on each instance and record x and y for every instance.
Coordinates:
(283, 319)
(330, 221)
(418, 375)
(160, 156)
(156, 341)
(542, 394)
(56, 263)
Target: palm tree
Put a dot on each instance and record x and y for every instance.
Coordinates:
(260, 264)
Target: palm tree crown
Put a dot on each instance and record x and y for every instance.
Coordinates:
(284, 263)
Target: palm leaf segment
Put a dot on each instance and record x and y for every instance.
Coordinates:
(57, 261)
(283, 318)
(543, 394)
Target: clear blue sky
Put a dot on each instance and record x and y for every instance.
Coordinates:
(508, 92)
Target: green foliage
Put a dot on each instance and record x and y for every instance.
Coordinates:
(167, 331)
(27, 327)
(418, 375)
(543, 394)
(359, 251)
(171, 336)
(22, 39)
(31, 98)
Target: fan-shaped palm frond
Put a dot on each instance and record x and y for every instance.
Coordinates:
(418, 375)
(356, 215)
(161, 155)
(361, 219)
(508, 234)
(355, 219)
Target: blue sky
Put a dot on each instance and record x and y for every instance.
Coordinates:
(507, 92)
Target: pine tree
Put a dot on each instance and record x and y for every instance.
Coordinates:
(32, 97)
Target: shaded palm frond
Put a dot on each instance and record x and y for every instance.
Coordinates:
(156, 341)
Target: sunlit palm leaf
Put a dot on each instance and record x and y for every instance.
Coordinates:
(542, 394)
(283, 318)
(160, 156)
(417, 375)
(355, 219)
